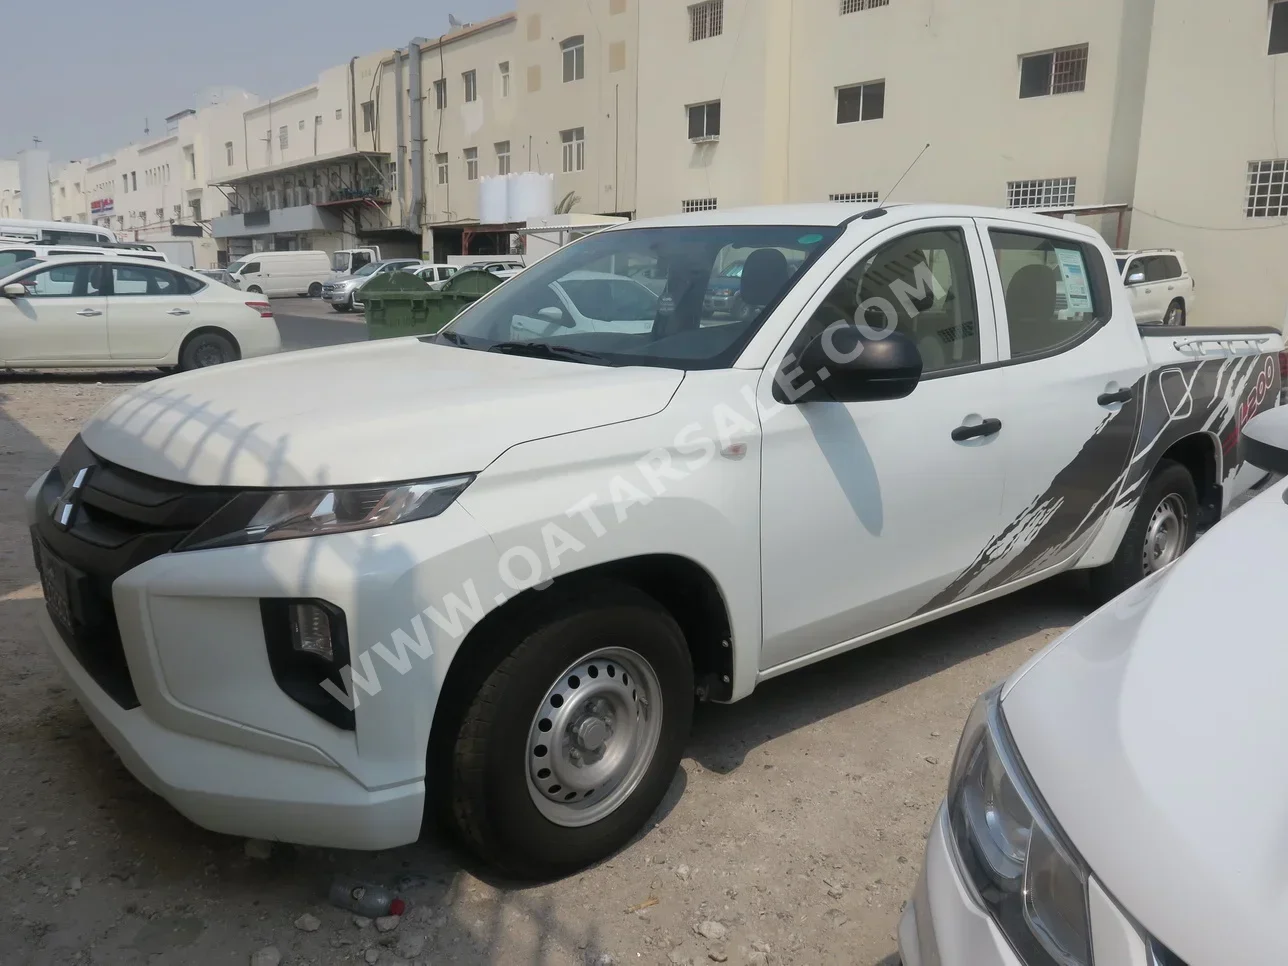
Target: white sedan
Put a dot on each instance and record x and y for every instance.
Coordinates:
(80, 311)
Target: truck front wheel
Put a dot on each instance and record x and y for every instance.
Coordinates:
(1161, 529)
(573, 739)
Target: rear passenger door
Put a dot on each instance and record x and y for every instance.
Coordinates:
(1073, 378)
(149, 311)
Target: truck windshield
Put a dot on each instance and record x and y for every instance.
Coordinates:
(639, 296)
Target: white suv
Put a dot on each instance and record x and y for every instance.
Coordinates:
(1159, 284)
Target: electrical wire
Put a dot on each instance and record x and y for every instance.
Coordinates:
(1182, 224)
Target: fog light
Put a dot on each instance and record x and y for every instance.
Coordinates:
(311, 631)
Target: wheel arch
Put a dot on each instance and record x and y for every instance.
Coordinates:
(1200, 454)
(208, 330)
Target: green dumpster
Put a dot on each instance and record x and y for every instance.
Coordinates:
(400, 304)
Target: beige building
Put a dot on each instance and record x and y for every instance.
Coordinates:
(10, 189)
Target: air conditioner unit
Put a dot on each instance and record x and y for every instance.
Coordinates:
(706, 139)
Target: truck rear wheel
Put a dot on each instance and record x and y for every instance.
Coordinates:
(573, 739)
(1161, 529)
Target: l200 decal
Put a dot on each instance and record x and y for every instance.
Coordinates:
(1212, 396)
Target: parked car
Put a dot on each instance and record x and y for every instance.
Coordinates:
(282, 274)
(1094, 794)
(591, 302)
(495, 266)
(11, 253)
(104, 310)
(1159, 284)
(436, 275)
(342, 293)
(483, 574)
(219, 275)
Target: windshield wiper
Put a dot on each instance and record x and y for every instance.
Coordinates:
(542, 350)
(446, 336)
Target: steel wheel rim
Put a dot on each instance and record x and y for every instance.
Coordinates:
(1166, 534)
(209, 354)
(593, 737)
(1174, 315)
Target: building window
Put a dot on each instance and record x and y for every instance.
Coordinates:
(391, 177)
(1267, 189)
(301, 124)
(134, 181)
(534, 78)
(471, 81)
(178, 211)
(503, 69)
(368, 116)
(574, 58)
(471, 164)
(195, 205)
(862, 102)
(706, 20)
(1045, 193)
(125, 184)
(317, 120)
(440, 93)
(574, 149)
(282, 137)
(228, 152)
(1279, 28)
(339, 113)
(441, 161)
(616, 56)
(1061, 71)
(502, 157)
(856, 197)
(854, 6)
(704, 121)
(699, 204)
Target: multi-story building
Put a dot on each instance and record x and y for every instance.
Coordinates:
(10, 189)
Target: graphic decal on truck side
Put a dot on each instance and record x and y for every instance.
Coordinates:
(1214, 397)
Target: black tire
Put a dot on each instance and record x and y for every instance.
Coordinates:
(1170, 481)
(206, 349)
(255, 290)
(167, 370)
(342, 306)
(1175, 314)
(315, 290)
(490, 803)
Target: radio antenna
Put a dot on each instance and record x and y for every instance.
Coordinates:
(904, 175)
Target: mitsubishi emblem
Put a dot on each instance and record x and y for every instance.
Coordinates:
(64, 511)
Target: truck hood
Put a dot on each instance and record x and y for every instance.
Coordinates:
(1156, 732)
(392, 410)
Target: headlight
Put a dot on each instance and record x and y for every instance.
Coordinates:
(260, 515)
(1013, 853)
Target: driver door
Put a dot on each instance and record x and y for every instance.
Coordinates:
(872, 510)
(62, 318)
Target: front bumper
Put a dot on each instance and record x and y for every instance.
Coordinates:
(944, 925)
(336, 295)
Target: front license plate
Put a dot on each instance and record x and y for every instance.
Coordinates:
(56, 582)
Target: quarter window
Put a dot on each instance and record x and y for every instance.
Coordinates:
(919, 285)
(1055, 291)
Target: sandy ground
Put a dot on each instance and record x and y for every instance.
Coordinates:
(796, 822)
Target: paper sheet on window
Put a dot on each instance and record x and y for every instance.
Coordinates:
(1073, 271)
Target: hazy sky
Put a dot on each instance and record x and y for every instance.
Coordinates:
(82, 75)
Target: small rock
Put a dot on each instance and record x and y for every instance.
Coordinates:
(710, 929)
(604, 959)
(308, 922)
(678, 958)
(835, 892)
(371, 955)
(903, 860)
(74, 885)
(268, 956)
(362, 922)
(934, 734)
(258, 849)
(683, 872)
(388, 923)
(718, 956)
(932, 760)
(757, 958)
(410, 944)
(760, 947)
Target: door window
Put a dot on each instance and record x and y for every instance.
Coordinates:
(919, 285)
(66, 281)
(1158, 270)
(145, 280)
(1139, 267)
(251, 269)
(1056, 291)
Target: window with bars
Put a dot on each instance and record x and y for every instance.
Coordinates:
(706, 20)
(1043, 193)
(471, 81)
(502, 157)
(862, 102)
(282, 137)
(698, 204)
(704, 121)
(1061, 71)
(1267, 189)
(574, 58)
(471, 164)
(856, 197)
(574, 149)
(854, 6)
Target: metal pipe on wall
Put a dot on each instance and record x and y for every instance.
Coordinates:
(417, 133)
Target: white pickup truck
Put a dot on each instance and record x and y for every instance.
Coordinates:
(482, 575)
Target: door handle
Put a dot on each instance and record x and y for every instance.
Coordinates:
(1109, 398)
(988, 427)
(89, 313)
(178, 312)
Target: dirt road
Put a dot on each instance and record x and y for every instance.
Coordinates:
(793, 831)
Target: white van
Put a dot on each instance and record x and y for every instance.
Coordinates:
(282, 273)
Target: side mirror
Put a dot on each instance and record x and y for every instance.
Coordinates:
(1264, 441)
(1136, 278)
(552, 313)
(15, 290)
(845, 364)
